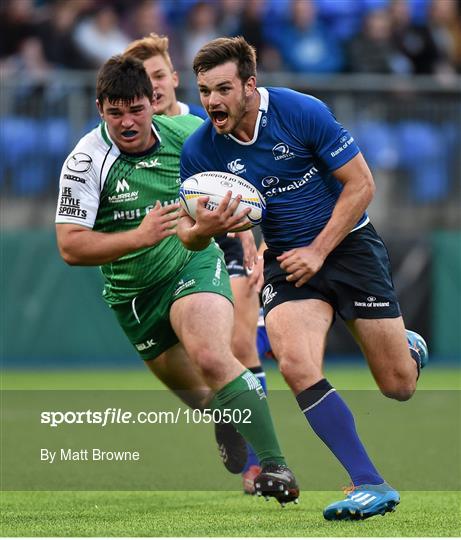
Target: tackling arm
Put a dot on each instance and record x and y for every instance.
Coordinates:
(81, 246)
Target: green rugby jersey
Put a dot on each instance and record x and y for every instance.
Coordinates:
(108, 191)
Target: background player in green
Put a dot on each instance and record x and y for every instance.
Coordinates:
(118, 208)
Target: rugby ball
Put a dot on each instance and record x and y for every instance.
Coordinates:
(215, 185)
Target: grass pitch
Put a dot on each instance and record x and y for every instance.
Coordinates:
(343, 377)
(216, 514)
(205, 513)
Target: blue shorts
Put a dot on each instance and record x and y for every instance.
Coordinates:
(355, 279)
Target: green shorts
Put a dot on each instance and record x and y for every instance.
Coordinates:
(146, 319)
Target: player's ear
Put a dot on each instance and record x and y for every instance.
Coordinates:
(100, 109)
(250, 86)
(175, 78)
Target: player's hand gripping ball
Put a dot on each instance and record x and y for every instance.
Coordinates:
(215, 185)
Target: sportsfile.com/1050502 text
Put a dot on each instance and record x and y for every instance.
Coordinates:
(113, 415)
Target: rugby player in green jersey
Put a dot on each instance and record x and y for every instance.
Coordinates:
(152, 50)
(118, 208)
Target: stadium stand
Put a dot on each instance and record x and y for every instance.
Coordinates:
(402, 103)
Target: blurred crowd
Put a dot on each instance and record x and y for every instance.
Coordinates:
(400, 133)
(303, 36)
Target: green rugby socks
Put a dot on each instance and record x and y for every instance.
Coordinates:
(246, 399)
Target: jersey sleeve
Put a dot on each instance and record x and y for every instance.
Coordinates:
(329, 140)
(79, 191)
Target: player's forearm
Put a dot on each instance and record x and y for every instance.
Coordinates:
(350, 206)
(92, 248)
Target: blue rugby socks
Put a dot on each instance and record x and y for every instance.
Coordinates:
(332, 421)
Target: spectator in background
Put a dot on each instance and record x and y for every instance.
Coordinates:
(251, 25)
(445, 28)
(229, 16)
(306, 46)
(21, 51)
(56, 35)
(17, 23)
(252, 28)
(276, 9)
(373, 49)
(29, 67)
(200, 27)
(99, 36)
(415, 42)
(145, 17)
(29, 61)
(343, 18)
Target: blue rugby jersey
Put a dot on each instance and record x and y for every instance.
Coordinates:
(296, 146)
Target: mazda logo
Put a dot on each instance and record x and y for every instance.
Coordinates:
(79, 162)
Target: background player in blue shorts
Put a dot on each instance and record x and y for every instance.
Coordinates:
(324, 256)
(152, 50)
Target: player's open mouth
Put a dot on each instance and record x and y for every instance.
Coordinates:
(129, 134)
(219, 117)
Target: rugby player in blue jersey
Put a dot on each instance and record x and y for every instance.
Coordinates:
(324, 257)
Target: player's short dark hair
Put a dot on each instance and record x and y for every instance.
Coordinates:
(222, 50)
(123, 78)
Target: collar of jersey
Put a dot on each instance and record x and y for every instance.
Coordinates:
(110, 142)
(263, 106)
(183, 108)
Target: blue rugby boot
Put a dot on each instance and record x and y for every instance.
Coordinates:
(418, 349)
(362, 502)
